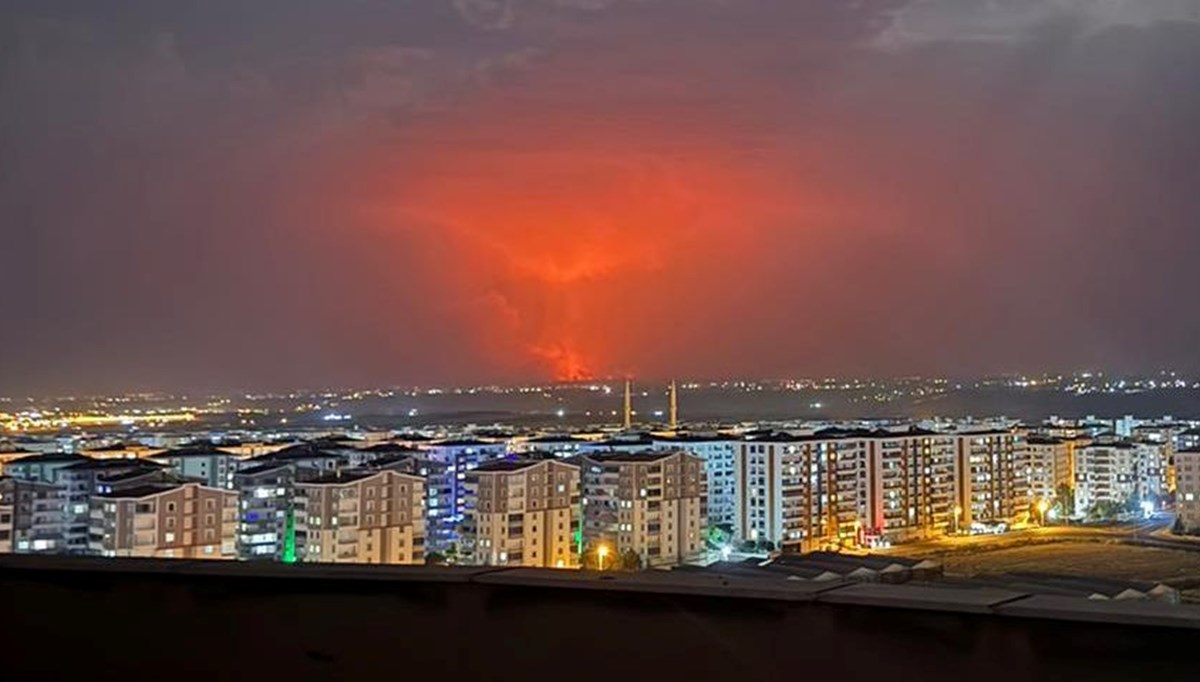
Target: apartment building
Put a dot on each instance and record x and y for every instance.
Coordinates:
(910, 485)
(1187, 492)
(991, 477)
(840, 487)
(1051, 463)
(449, 462)
(719, 454)
(301, 456)
(1120, 472)
(42, 467)
(83, 479)
(800, 492)
(165, 520)
(524, 513)
(361, 516)
(558, 445)
(649, 502)
(207, 463)
(266, 511)
(31, 516)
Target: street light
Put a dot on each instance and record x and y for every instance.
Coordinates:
(1042, 506)
(601, 552)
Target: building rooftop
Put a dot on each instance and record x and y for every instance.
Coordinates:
(119, 447)
(556, 438)
(262, 468)
(463, 443)
(90, 464)
(195, 450)
(695, 438)
(49, 458)
(388, 460)
(138, 492)
(128, 474)
(299, 451)
(641, 456)
(340, 478)
(503, 465)
(391, 447)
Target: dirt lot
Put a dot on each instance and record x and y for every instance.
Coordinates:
(1096, 559)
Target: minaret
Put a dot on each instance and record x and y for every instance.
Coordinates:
(628, 405)
(674, 407)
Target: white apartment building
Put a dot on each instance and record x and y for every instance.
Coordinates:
(800, 492)
(215, 466)
(841, 487)
(360, 516)
(649, 502)
(524, 513)
(1117, 472)
(165, 520)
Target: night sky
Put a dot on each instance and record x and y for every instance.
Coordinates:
(293, 193)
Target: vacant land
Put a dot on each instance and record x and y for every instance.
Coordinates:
(1095, 559)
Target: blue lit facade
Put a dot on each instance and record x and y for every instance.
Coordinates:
(447, 496)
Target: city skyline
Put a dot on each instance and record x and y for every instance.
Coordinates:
(494, 191)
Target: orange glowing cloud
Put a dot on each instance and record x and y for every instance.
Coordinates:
(570, 229)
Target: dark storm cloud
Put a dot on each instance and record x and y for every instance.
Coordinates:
(189, 195)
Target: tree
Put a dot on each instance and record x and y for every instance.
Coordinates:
(1105, 510)
(630, 561)
(435, 559)
(1133, 503)
(717, 536)
(1064, 500)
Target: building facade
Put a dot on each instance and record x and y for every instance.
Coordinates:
(1187, 492)
(910, 485)
(991, 477)
(42, 467)
(449, 462)
(524, 513)
(165, 520)
(266, 512)
(212, 465)
(361, 516)
(31, 516)
(82, 480)
(719, 454)
(1120, 474)
(650, 503)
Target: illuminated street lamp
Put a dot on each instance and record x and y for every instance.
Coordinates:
(1042, 507)
(957, 518)
(601, 552)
